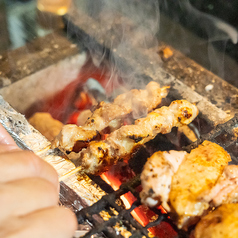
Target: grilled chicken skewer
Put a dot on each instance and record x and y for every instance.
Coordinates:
(135, 102)
(100, 155)
(221, 223)
(191, 188)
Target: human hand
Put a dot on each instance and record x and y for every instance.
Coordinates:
(29, 191)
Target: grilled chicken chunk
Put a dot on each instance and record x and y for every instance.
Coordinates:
(135, 102)
(189, 185)
(157, 175)
(221, 223)
(197, 174)
(99, 155)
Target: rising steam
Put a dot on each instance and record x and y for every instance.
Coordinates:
(129, 25)
(134, 24)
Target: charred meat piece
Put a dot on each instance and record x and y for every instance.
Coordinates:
(121, 143)
(221, 223)
(197, 174)
(135, 102)
(157, 176)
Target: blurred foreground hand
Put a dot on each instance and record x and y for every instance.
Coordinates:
(29, 191)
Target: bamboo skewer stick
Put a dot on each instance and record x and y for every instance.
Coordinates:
(70, 173)
(40, 152)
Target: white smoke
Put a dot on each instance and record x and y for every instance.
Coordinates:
(197, 34)
(216, 28)
(133, 25)
(136, 24)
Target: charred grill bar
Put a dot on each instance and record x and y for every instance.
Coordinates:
(106, 203)
(187, 79)
(77, 191)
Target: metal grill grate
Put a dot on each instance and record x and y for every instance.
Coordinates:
(224, 135)
(124, 218)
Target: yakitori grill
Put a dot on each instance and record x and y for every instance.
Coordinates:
(84, 67)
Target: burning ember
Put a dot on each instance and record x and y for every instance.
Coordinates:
(122, 173)
(77, 97)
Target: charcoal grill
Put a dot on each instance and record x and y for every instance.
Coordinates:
(48, 54)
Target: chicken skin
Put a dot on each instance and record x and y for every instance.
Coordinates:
(197, 174)
(226, 188)
(221, 223)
